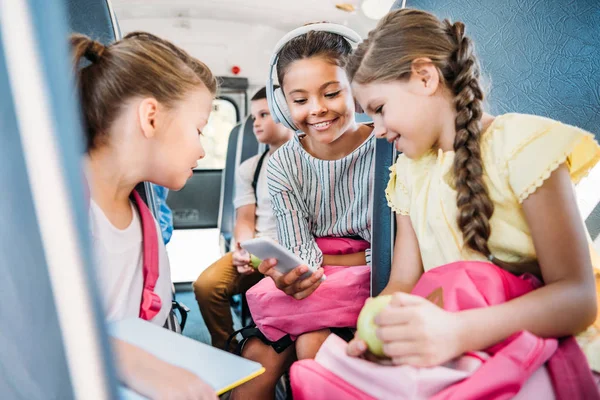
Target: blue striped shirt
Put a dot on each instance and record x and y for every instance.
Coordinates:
(314, 198)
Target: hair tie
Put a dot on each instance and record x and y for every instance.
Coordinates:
(94, 51)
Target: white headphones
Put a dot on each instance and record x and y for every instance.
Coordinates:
(276, 99)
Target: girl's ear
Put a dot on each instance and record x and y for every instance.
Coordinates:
(425, 77)
(147, 111)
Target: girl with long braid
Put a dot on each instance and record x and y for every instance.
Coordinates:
(469, 186)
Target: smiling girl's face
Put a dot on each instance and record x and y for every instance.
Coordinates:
(319, 98)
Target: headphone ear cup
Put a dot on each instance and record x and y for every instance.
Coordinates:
(285, 117)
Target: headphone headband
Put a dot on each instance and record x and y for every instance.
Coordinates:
(279, 112)
(345, 32)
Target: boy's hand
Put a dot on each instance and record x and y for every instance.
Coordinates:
(241, 260)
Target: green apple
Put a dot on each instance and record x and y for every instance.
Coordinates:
(254, 261)
(366, 326)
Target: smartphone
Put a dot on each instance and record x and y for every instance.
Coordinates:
(264, 248)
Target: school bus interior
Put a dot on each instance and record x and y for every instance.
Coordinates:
(542, 56)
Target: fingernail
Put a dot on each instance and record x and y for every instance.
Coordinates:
(303, 268)
(361, 346)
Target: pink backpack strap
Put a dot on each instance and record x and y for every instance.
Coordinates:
(151, 302)
(505, 373)
(570, 372)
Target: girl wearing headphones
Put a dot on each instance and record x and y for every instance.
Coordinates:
(319, 182)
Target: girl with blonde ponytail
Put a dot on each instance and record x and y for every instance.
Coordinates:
(469, 186)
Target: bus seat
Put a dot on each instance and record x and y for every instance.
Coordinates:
(500, 33)
(593, 225)
(227, 179)
(27, 310)
(528, 68)
(382, 244)
(241, 146)
(93, 18)
(248, 145)
(588, 198)
(54, 344)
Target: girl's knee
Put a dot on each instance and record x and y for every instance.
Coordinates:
(274, 363)
(256, 350)
(308, 344)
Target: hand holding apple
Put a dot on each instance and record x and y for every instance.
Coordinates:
(366, 327)
(416, 332)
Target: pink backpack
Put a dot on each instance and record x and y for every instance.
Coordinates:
(335, 304)
(523, 365)
(151, 302)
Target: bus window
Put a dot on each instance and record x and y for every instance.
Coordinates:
(215, 137)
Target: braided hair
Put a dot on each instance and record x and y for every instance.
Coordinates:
(387, 55)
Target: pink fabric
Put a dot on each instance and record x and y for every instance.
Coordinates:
(335, 304)
(512, 368)
(151, 302)
(312, 381)
(570, 372)
(475, 284)
(340, 246)
(379, 381)
(539, 386)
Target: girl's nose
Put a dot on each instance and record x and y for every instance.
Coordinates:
(318, 108)
(201, 153)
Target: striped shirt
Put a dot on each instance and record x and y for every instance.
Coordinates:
(314, 198)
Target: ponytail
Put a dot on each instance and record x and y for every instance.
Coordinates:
(139, 65)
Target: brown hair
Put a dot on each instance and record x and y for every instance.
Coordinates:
(262, 93)
(140, 64)
(333, 47)
(405, 35)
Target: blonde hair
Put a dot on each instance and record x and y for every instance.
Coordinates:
(140, 64)
(387, 54)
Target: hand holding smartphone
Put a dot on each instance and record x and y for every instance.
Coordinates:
(264, 248)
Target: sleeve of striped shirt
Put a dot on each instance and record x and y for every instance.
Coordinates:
(290, 211)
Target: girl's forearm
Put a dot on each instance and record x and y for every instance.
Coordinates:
(557, 310)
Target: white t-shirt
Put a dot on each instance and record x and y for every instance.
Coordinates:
(119, 267)
(244, 195)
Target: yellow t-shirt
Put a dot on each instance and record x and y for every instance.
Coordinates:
(519, 153)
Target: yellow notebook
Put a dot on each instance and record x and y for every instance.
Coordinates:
(220, 369)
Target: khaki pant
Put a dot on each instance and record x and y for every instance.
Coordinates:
(213, 289)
